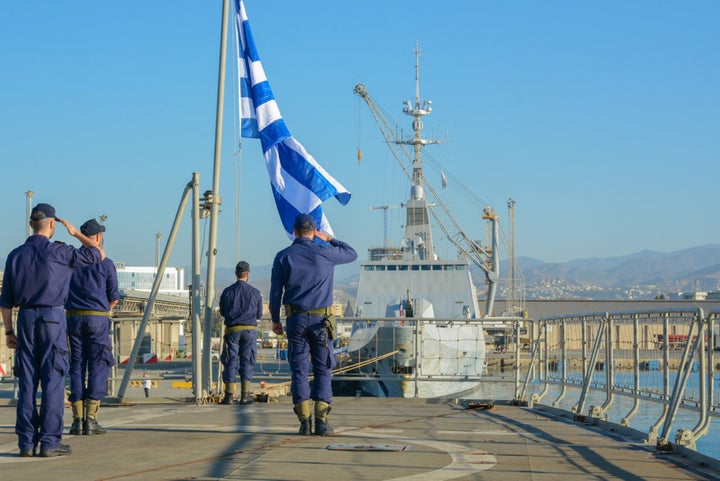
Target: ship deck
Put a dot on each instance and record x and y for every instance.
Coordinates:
(164, 437)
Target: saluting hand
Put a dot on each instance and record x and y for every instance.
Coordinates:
(70, 228)
(323, 236)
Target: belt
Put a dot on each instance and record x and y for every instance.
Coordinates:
(239, 327)
(321, 311)
(85, 312)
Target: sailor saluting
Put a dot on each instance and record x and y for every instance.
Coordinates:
(36, 279)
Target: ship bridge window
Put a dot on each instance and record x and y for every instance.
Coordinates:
(368, 268)
(425, 267)
(415, 267)
(402, 268)
(437, 268)
(392, 268)
(379, 268)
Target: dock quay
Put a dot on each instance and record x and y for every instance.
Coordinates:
(165, 437)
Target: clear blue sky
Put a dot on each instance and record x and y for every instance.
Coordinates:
(600, 118)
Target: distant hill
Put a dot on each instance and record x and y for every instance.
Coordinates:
(695, 268)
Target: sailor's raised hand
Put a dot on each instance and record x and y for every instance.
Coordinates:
(70, 228)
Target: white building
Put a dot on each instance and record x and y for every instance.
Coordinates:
(141, 278)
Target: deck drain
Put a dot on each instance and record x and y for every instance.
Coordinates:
(368, 447)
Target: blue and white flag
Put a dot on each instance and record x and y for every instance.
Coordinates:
(299, 183)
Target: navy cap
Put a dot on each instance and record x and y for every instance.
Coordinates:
(304, 221)
(92, 227)
(242, 267)
(42, 211)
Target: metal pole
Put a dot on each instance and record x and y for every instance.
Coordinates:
(214, 200)
(196, 291)
(153, 293)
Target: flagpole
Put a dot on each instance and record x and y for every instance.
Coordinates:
(214, 201)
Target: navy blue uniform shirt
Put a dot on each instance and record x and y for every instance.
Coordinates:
(37, 273)
(241, 303)
(94, 287)
(305, 272)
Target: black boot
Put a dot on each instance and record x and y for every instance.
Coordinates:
(61, 450)
(302, 410)
(305, 427)
(77, 427)
(229, 392)
(90, 425)
(322, 409)
(246, 398)
(78, 410)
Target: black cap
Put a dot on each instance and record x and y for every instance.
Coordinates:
(42, 211)
(304, 221)
(242, 267)
(92, 227)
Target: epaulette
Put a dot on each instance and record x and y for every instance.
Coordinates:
(59, 242)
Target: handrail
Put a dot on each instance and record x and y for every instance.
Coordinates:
(639, 367)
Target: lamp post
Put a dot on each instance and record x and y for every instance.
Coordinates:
(29, 194)
(157, 249)
(103, 218)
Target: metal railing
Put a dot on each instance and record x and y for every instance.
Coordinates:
(664, 358)
(626, 368)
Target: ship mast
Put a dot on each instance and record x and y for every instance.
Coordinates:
(418, 244)
(418, 235)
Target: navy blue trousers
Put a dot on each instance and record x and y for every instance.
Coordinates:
(307, 339)
(42, 360)
(90, 356)
(239, 347)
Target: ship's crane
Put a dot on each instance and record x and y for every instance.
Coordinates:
(486, 258)
(385, 208)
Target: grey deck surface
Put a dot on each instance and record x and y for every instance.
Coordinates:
(376, 439)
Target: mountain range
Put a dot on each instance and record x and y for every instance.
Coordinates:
(656, 273)
(643, 275)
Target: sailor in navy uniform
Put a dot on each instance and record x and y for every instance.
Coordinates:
(302, 281)
(36, 279)
(93, 293)
(241, 306)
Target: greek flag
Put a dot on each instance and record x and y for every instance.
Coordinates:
(299, 183)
